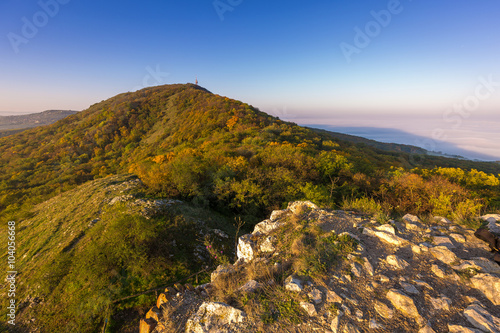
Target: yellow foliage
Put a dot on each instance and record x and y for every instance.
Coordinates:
(231, 122)
(159, 159)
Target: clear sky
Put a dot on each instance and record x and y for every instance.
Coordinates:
(295, 59)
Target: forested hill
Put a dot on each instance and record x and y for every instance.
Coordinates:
(185, 142)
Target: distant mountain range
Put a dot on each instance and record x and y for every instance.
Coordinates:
(14, 124)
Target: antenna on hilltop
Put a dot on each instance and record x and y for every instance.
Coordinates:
(196, 81)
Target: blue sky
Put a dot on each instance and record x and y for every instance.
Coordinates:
(285, 57)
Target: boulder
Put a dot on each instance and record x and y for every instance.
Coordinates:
(368, 267)
(409, 288)
(411, 218)
(383, 310)
(443, 254)
(250, 287)
(221, 269)
(482, 319)
(426, 329)
(293, 283)
(300, 207)
(214, 317)
(309, 309)
(385, 236)
(443, 241)
(267, 245)
(246, 248)
(462, 329)
(442, 303)
(316, 296)
(486, 265)
(404, 303)
(266, 226)
(489, 285)
(278, 214)
(396, 262)
(458, 238)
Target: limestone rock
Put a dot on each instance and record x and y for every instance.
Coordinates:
(356, 269)
(458, 238)
(332, 297)
(250, 287)
(397, 262)
(383, 310)
(335, 323)
(482, 319)
(299, 207)
(443, 241)
(293, 283)
(277, 214)
(462, 329)
(442, 303)
(373, 325)
(386, 228)
(246, 245)
(442, 220)
(309, 308)
(426, 329)
(266, 227)
(489, 285)
(213, 316)
(443, 254)
(411, 218)
(221, 269)
(385, 236)
(267, 245)
(368, 267)
(409, 288)
(316, 296)
(486, 265)
(403, 303)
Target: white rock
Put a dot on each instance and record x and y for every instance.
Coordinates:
(458, 238)
(443, 241)
(416, 249)
(250, 287)
(277, 214)
(316, 296)
(221, 269)
(332, 297)
(387, 228)
(299, 207)
(443, 254)
(368, 267)
(396, 262)
(494, 217)
(267, 245)
(245, 250)
(462, 329)
(486, 265)
(442, 303)
(385, 236)
(266, 227)
(335, 324)
(409, 288)
(293, 283)
(411, 218)
(213, 316)
(309, 308)
(482, 319)
(441, 219)
(489, 285)
(383, 310)
(423, 284)
(356, 269)
(404, 303)
(426, 329)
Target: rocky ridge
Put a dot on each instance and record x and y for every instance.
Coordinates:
(401, 276)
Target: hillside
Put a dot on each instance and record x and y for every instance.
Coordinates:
(307, 269)
(207, 163)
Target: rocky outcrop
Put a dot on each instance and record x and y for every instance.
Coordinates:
(403, 276)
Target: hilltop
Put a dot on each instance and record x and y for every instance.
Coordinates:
(179, 162)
